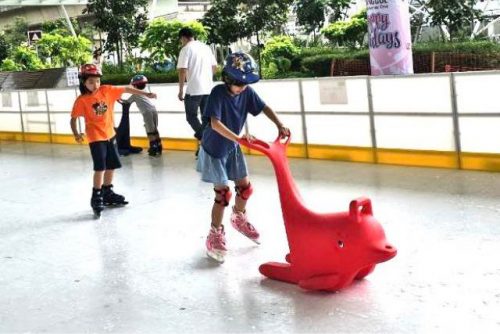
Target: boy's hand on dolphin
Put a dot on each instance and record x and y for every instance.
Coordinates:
(283, 131)
(248, 137)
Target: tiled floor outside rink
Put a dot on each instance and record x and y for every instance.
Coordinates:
(143, 269)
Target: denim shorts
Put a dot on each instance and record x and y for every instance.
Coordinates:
(220, 170)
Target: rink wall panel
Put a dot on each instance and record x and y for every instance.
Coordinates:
(448, 120)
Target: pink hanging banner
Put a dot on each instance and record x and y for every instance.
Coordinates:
(389, 37)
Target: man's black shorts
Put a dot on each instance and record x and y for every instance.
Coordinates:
(105, 155)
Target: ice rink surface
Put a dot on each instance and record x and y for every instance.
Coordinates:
(143, 269)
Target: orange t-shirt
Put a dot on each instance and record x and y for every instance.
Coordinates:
(98, 111)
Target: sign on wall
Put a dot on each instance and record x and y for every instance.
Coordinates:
(72, 76)
(389, 37)
(34, 36)
(332, 91)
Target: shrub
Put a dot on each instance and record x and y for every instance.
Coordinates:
(9, 65)
(270, 71)
(279, 46)
(309, 52)
(320, 65)
(26, 58)
(124, 78)
(482, 47)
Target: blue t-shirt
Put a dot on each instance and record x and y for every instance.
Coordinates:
(232, 112)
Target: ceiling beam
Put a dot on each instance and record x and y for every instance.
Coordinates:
(42, 2)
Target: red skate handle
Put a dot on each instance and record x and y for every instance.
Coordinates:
(265, 147)
(256, 144)
(360, 206)
(284, 144)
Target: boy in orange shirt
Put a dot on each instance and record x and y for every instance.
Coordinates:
(96, 104)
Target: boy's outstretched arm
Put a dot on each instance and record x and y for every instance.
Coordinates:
(283, 130)
(132, 90)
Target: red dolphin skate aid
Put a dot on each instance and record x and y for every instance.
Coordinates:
(327, 251)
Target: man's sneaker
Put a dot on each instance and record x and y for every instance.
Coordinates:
(240, 222)
(216, 244)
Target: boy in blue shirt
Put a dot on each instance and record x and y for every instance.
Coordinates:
(220, 158)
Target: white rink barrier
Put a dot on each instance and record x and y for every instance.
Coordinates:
(441, 120)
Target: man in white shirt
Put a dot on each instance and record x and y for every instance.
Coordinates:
(196, 65)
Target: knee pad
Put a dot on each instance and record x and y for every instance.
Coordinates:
(244, 192)
(224, 195)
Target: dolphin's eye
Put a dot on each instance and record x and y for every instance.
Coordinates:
(340, 243)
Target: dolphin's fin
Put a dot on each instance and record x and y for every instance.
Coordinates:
(331, 282)
(278, 271)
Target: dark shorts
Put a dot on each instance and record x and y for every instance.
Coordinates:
(105, 155)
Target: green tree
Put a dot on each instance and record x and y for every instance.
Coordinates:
(224, 23)
(337, 9)
(60, 27)
(4, 48)
(265, 15)
(124, 21)
(17, 33)
(348, 33)
(457, 15)
(65, 50)
(161, 38)
(311, 14)
(229, 20)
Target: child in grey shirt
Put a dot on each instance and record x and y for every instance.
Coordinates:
(149, 113)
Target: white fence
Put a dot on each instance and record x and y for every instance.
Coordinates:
(453, 112)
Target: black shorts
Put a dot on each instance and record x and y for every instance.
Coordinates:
(105, 155)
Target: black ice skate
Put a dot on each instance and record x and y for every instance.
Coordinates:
(155, 148)
(110, 198)
(159, 147)
(96, 202)
(152, 148)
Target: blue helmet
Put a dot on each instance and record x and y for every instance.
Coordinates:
(240, 67)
